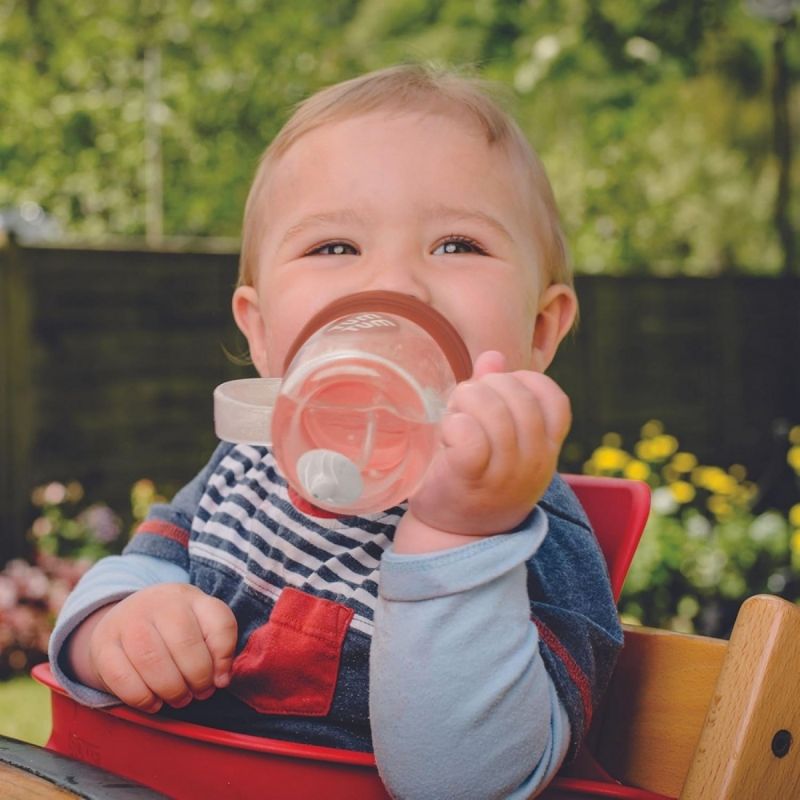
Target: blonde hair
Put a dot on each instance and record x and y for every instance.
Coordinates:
(410, 87)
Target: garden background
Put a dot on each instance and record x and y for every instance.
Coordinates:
(129, 135)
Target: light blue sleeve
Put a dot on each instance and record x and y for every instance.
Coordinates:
(110, 580)
(461, 705)
(114, 578)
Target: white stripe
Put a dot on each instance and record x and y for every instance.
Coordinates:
(349, 580)
(265, 588)
(315, 539)
(348, 588)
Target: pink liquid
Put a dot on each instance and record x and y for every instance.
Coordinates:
(366, 411)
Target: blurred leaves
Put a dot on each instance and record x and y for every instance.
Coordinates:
(653, 118)
(68, 528)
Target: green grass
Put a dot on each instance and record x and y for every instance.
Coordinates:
(25, 710)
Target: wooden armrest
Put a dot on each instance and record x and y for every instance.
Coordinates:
(750, 743)
(705, 719)
(647, 730)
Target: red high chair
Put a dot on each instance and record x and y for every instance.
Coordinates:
(646, 734)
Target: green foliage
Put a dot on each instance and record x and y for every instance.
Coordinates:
(654, 119)
(705, 549)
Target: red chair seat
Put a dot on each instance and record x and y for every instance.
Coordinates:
(191, 761)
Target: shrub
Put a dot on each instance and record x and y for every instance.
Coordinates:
(31, 596)
(68, 536)
(704, 550)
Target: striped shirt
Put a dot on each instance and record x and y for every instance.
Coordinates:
(243, 537)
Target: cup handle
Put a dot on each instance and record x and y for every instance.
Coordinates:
(243, 410)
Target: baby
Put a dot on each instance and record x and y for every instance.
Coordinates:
(465, 635)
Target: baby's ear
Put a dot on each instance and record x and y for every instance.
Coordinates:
(557, 308)
(247, 313)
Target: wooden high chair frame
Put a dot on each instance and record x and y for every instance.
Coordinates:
(693, 717)
(704, 719)
(685, 716)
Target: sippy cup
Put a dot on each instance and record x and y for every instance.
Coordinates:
(352, 423)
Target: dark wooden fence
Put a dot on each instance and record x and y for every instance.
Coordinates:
(108, 360)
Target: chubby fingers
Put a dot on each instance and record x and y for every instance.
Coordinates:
(552, 402)
(169, 646)
(136, 666)
(502, 419)
(466, 438)
(219, 630)
(487, 362)
(119, 676)
(200, 637)
(492, 424)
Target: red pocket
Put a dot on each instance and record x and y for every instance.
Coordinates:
(290, 664)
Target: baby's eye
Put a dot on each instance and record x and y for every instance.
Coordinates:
(333, 249)
(457, 245)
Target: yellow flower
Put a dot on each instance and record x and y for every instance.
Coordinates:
(719, 506)
(684, 462)
(794, 435)
(682, 491)
(143, 490)
(656, 448)
(724, 484)
(652, 428)
(737, 471)
(645, 450)
(74, 492)
(793, 457)
(143, 495)
(664, 446)
(669, 474)
(637, 470)
(743, 495)
(795, 542)
(612, 440)
(714, 480)
(794, 515)
(610, 458)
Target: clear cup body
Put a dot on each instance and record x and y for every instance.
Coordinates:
(354, 424)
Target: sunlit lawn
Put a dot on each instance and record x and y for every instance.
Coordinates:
(24, 710)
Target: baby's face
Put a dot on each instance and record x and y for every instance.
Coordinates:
(418, 204)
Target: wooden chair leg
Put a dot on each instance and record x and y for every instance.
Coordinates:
(749, 747)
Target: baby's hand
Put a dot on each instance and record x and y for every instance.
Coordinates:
(501, 438)
(169, 643)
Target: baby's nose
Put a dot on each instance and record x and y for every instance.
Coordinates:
(400, 275)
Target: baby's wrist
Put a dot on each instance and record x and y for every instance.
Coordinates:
(78, 650)
(413, 537)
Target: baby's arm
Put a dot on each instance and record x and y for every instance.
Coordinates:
(140, 605)
(460, 702)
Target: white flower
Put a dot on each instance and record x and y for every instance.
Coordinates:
(663, 501)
